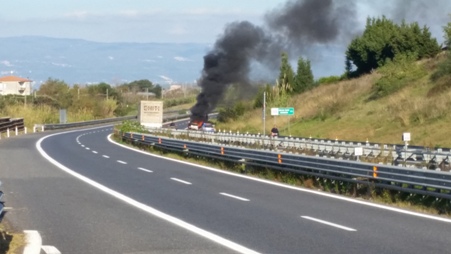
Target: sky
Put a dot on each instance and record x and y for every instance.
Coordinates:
(197, 21)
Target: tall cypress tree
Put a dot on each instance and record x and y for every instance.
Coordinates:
(304, 76)
(286, 75)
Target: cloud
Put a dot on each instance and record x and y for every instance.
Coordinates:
(182, 59)
(166, 79)
(6, 63)
(111, 57)
(61, 65)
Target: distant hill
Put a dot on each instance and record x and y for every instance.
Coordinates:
(79, 61)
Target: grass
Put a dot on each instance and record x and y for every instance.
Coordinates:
(346, 111)
(10, 242)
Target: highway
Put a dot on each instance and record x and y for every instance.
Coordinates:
(86, 194)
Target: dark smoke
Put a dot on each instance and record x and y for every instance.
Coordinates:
(293, 28)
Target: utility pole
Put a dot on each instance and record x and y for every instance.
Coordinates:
(78, 94)
(147, 93)
(107, 94)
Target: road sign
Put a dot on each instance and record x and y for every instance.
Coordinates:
(282, 111)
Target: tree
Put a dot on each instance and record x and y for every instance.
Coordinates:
(447, 34)
(382, 40)
(56, 91)
(303, 80)
(286, 76)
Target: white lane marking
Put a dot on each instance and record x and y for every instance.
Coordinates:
(328, 223)
(233, 196)
(94, 152)
(34, 242)
(87, 148)
(50, 249)
(82, 145)
(121, 162)
(180, 181)
(355, 201)
(105, 156)
(146, 170)
(176, 221)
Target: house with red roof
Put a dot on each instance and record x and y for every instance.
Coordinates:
(15, 85)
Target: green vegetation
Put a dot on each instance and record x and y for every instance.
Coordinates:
(383, 39)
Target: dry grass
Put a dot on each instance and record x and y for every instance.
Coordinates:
(10, 242)
(345, 111)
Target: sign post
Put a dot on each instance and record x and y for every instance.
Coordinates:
(151, 114)
(283, 112)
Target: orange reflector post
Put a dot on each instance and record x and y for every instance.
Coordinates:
(374, 171)
(222, 150)
(279, 157)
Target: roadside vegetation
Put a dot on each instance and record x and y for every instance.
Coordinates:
(89, 102)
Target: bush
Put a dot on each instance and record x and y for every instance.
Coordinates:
(396, 74)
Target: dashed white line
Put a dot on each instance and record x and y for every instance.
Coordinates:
(94, 152)
(180, 181)
(121, 162)
(87, 148)
(328, 223)
(82, 145)
(105, 156)
(233, 196)
(50, 249)
(146, 170)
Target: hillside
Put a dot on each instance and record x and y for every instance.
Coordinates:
(346, 110)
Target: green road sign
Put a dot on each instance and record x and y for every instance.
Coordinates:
(286, 111)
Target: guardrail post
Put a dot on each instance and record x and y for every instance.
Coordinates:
(17, 131)
(25, 130)
(7, 133)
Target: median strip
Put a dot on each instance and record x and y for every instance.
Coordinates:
(328, 223)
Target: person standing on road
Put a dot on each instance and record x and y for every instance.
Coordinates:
(274, 131)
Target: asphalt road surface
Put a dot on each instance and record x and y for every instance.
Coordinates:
(86, 194)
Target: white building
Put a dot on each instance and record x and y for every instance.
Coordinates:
(15, 85)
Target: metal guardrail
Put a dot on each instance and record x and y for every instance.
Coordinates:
(102, 121)
(11, 124)
(431, 159)
(433, 183)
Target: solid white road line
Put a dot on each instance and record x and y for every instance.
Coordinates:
(233, 196)
(34, 242)
(176, 221)
(121, 162)
(94, 152)
(181, 181)
(328, 223)
(146, 170)
(105, 156)
(319, 193)
(50, 249)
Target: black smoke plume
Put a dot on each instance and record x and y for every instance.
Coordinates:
(294, 27)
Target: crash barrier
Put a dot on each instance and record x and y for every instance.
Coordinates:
(11, 126)
(397, 155)
(412, 180)
(1, 202)
(43, 127)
